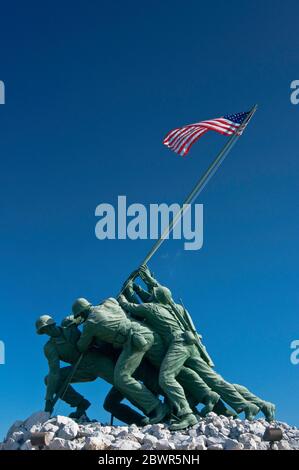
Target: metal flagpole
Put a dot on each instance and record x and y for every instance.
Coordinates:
(199, 186)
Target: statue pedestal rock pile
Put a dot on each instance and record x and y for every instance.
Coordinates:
(211, 433)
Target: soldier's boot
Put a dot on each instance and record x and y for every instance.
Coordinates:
(221, 410)
(183, 422)
(250, 411)
(144, 421)
(158, 413)
(81, 409)
(268, 409)
(209, 403)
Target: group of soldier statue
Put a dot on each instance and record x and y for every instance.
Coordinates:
(146, 346)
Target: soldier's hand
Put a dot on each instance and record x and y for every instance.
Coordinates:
(133, 274)
(49, 406)
(121, 299)
(144, 272)
(127, 285)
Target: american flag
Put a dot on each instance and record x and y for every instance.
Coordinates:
(181, 139)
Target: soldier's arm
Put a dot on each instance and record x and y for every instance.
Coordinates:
(86, 338)
(147, 277)
(130, 294)
(138, 310)
(54, 371)
(142, 293)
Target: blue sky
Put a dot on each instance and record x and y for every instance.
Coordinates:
(91, 89)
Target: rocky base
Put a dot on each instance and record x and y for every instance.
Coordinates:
(211, 433)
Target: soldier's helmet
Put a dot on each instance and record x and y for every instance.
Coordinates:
(162, 295)
(41, 322)
(79, 306)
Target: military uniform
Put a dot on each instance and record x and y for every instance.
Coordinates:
(108, 322)
(94, 364)
(180, 353)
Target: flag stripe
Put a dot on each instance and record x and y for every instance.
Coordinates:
(193, 140)
(181, 139)
(189, 139)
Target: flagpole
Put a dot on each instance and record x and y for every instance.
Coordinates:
(200, 185)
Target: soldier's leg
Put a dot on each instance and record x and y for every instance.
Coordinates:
(197, 391)
(70, 396)
(226, 390)
(98, 365)
(267, 408)
(189, 380)
(221, 409)
(120, 411)
(149, 375)
(170, 369)
(127, 363)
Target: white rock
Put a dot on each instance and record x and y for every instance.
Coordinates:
(164, 444)
(215, 440)
(38, 418)
(14, 427)
(18, 436)
(262, 446)
(248, 441)
(211, 430)
(191, 443)
(106, 438)
(125, 444)
(200, 446)
(257, 428)
(284, 445)
(10, 444)
(63, 420)
(35, 428)
(69, 430)
(150, 440)
(217, 422)
(123, 434)
(193, 432)
(49, 427)
(232, 444)
(220, 433)
(27, 445)
(106, 429)
(61, 444)
(118, 429)
(137, 435)
(225, 420)
(94, 443)
(215, 447)
(86, 431)
(144, 447)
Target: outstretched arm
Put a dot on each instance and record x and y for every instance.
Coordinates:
(138, 310)
(147, 277)
(128, 292)
(142, 293)
(86, 338)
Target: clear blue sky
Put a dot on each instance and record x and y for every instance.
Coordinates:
(91, 89)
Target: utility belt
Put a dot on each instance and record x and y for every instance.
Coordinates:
(187, 337)
(123, 333)
(128, 331)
